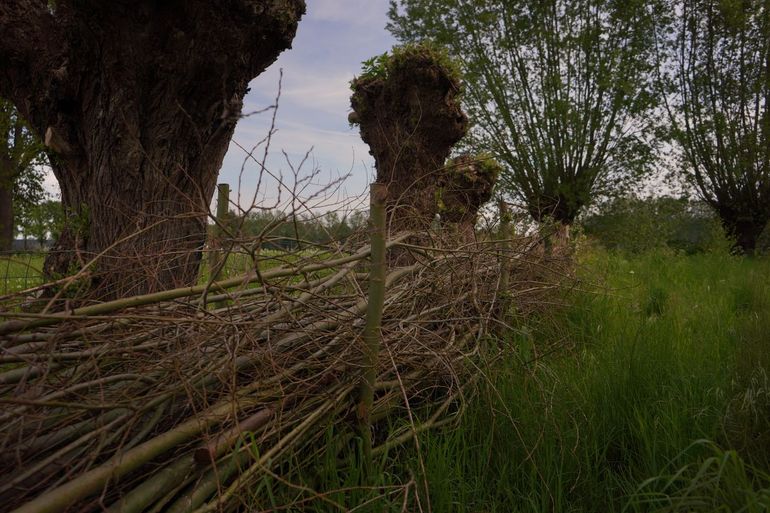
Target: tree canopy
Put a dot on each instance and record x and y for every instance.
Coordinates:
(558, 89)
(717, 70)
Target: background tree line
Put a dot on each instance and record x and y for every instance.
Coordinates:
(281, 230)
(576, 97)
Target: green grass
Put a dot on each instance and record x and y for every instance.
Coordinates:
(20, 271)
(649, 392)
(663, 373)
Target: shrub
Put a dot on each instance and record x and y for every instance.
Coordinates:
(636, 225)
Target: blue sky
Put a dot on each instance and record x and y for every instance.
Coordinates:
(332, 39)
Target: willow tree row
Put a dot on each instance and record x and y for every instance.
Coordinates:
(576, 97)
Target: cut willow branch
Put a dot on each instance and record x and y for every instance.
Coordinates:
(276, 367)
(168, 295)
(372, 336)
(92, 481)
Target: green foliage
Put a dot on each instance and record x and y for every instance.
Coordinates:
(43, 221)
(376, 67)
(22, 161)
(381, 66)
(553, 88)
(636, 225)
(716, 74)
(623, 401)
(28, 189)
(283, 231)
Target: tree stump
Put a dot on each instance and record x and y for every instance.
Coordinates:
(408, 109)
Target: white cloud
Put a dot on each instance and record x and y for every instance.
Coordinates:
(330, 94)
(354, 13)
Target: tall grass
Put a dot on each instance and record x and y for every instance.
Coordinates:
(670, 352)
(648, 393)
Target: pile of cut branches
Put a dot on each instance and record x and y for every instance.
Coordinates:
(163, 403)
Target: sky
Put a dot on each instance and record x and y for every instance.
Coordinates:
(332, 40)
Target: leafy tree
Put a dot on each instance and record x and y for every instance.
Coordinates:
(718, 71)
(136, 101)
(21, 176)
(43, 221)
(558, 89)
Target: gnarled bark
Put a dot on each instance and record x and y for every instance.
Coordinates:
(136, 101)
(410, 116)
(465, 185)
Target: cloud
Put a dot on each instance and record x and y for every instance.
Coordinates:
(336, 152)
(330, 94)
(352, 13)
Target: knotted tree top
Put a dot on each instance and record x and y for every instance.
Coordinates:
(465, 185)
(408, 108)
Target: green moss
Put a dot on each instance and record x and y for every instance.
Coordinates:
(383, 65)
(490, 167)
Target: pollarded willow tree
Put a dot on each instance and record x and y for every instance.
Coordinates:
(558, 89)
(136, 101)
(407, 106)
(719, 69)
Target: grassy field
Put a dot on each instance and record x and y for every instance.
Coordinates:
(20, 271)
(659, 400)
(649, 392)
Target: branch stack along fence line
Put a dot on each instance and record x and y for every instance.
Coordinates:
(172, 402)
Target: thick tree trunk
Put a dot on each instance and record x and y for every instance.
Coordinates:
(742, 225)
(745, 235)
(137, 109)
(410, 117)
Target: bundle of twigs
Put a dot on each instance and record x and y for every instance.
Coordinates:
(161, 403)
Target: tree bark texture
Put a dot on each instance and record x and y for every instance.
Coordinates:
(410, 117)
(136, 101)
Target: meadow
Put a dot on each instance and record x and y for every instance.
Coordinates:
(20, 271)
(656, 399)
(646, 391)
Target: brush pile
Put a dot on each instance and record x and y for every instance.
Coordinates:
(161, 403)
